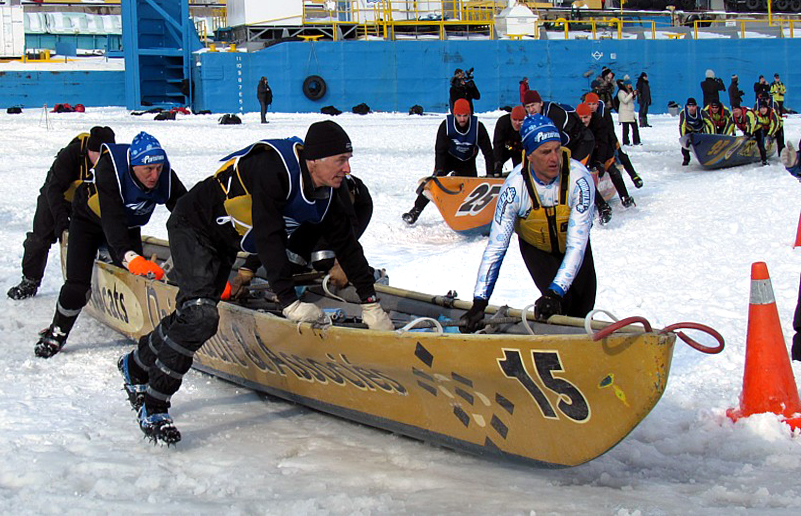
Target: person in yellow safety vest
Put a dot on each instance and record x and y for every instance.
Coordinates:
(768, 125)
(548, 200)
(717, 119)
(777, 92)
(744, 119)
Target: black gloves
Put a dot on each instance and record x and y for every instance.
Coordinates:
(60, 226)
(549, 304)
(473, 320)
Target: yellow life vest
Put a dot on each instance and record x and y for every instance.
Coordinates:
(86, 166)
(546, 227)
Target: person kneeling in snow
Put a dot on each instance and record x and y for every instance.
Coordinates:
(549, 192)
(259, 196)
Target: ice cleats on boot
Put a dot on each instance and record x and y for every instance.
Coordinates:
(26, 288)
(158, 427)
(51, 340)
(135, 391)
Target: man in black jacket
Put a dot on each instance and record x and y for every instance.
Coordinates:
(463, 87)
(735, 93)
(644, 96)
(129, 181)
(711, 86)
(506, 141)
(761, 89)
(459, 138)
(265, 95)
(53, 206)
(260, 195)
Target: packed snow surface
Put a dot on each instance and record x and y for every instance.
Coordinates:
(70, 444)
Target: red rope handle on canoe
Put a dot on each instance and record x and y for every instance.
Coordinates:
(694, 344)
(612, 328)
(683, 336)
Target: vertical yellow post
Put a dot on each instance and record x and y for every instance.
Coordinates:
(567, 35)
(653, 30)
(593, 28)
(770, 13)
(742, 29)
(695, 29)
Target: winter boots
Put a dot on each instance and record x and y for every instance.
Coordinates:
(412, 215)
(159, 427)
(26, 288)
(637, 180)
(134, 387)
(627, 202)
(604, 213)
(51, 340)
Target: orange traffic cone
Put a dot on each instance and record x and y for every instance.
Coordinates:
(768, 382)
(798, 233)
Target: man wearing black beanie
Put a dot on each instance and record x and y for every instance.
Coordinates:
(257, 198)
(53, 206)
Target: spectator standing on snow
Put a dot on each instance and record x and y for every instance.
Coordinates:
(463, 87)
(761, 89)
(523, 88)
(644, 96)
(626, 97)
(777, 92)
(265, 95)
(711, 87)
(735, 93)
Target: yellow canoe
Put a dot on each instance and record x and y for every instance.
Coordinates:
(555, 398)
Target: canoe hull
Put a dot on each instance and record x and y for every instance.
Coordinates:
(549, 400)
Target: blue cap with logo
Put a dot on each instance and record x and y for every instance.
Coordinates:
(536, 130)
(146, 150)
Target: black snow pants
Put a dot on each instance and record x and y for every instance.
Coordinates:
(201, 267)
(38, 241)
(579, 300)
(85, 238)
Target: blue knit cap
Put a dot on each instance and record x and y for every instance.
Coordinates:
(146, 150)
(536, 130)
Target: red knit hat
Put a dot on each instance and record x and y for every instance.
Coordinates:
(461, 107)
(518, 113)
(591, 97)
(583, 109)
(531, 96)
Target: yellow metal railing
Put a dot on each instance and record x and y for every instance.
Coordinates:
(616, 23)
(743, 22)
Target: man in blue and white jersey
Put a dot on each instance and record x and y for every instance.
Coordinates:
(549, 202)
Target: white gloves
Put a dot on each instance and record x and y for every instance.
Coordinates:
(303, 312)
(376, 318)
(789, 156)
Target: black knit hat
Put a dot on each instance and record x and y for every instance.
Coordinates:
(325, 139)
(691, 102)
(98, 136)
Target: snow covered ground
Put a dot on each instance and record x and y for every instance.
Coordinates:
(69, 443)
